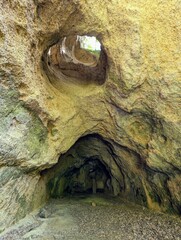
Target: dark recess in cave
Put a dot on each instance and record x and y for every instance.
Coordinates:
(92, 166)
(81, 170)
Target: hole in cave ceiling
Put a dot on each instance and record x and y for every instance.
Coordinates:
(76, 59)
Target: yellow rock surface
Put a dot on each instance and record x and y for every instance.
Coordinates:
(137, 109)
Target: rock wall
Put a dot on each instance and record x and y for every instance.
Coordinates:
(136, 110)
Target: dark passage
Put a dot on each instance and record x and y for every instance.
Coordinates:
(91, 177)
(84, 169)
(92, 165)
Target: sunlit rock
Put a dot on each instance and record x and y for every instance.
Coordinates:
(124, 102)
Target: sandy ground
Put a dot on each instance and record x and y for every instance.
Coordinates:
(93, 218)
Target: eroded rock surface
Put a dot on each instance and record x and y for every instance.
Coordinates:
(135, 111)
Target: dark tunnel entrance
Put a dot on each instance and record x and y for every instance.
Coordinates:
(94, 165)
(84, 169)
(91, 177)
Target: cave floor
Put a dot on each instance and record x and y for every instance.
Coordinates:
(94, 217)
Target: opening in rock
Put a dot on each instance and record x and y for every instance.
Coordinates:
(91, 177)
(90, 44)
(84, 169)
(92, 165)
(76, 59)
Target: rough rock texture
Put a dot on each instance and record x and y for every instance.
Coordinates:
(137, 109)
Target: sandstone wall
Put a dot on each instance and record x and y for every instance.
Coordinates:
(136, 110)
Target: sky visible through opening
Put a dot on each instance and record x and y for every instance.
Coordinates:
(89, 43)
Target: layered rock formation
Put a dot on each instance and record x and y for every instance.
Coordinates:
(134, 112)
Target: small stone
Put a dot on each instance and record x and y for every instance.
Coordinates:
(43, 213)
(93, 204)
